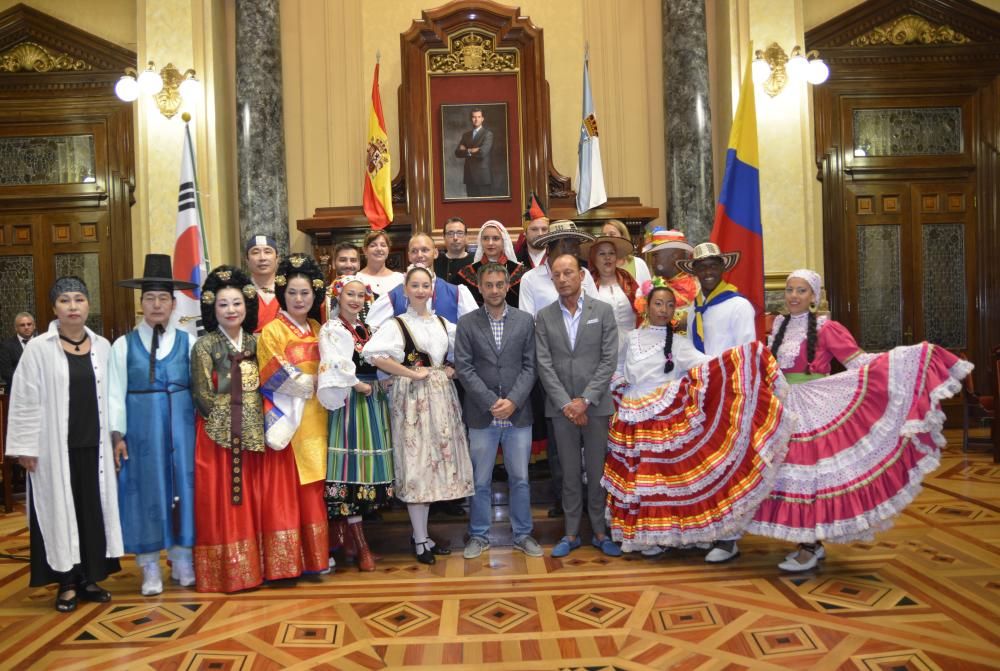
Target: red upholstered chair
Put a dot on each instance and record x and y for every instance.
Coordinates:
(980, 408)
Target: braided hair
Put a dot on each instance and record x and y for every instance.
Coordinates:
(811, 338)
(668, 341)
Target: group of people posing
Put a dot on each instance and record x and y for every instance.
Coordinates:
(252, 452)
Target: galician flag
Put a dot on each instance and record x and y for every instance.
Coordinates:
(190, 254)
(737, 216)
(590, 190)
(377, 201)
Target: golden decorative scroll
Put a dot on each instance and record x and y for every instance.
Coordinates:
(32, 57)
(472, 51)
(910, 29)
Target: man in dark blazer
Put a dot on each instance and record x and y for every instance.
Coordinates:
(11, 348)
(576, 342)
(495, 361)
(475, 147)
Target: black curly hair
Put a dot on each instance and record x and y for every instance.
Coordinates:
(236, 279)
(811, 338)
(300, 265)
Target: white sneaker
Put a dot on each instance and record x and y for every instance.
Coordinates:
(820, 553)
(182, 572)
(722, 551)
(794, 566)
(152, 582)
(653, 551)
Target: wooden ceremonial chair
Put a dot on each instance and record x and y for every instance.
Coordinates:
(980, 407)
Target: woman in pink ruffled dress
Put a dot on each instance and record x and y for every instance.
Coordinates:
(865, 438)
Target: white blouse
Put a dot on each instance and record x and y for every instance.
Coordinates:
(337, 372)
(641, 368)
(382, 285)
(622, 306)
(428, 336)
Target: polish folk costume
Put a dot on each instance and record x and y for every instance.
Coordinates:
(229, 443)
(289, 499)
(864, 438)
(359, 464)
(431, 454)
(692, 451)
(151, 407)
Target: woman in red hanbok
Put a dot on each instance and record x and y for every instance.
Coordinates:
(229, 429)
(289, 500)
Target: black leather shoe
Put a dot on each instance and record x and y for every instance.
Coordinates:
(67, 605)
(437, 549)
(423, 553)
(93, 593)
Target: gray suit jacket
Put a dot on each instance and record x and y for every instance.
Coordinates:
(586, 369)
(488, 374)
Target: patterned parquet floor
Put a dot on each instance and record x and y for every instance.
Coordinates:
(925, 595)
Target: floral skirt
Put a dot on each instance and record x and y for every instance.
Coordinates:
(690, 461)
(864, 440)
(430, 450)
(359, 472)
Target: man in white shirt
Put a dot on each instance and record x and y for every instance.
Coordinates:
(720, 319)
(537, 287)
(152, 428)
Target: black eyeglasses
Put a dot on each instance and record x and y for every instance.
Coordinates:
(454, 234)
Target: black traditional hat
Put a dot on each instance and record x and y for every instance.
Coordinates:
(156, 276)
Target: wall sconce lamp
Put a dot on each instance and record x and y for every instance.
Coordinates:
(773, 68)
(168, 87)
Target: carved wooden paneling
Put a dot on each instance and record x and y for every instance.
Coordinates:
(56, 84)
(939, 62)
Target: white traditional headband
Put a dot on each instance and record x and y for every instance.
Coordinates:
(508, 246)
(812, 278)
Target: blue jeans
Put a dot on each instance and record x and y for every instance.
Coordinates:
(516, 442)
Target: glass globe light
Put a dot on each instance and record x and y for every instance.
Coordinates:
(127, 88)
(818, 71)
(150, 82)
(796, 67)
(190, 89)
(759, 71)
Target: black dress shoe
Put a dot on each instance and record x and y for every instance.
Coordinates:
(67, 605)
(93, 593)
(424, 554)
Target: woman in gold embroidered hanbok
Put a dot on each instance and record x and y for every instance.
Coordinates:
(230, 433)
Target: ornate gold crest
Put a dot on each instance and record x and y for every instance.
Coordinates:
(318, 284)
(224, 275)
(32, 57)
(473, 51)
(280, 280)
(590, 123)
(910, 29)
(296, 260)
(208, 298)
(250, 291)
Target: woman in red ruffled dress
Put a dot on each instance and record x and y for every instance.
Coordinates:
(864, 438)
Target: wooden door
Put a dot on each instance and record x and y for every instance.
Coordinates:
(908, 269)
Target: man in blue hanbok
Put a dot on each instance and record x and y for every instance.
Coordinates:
(152, 424)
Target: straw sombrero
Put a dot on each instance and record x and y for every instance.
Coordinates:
(564, 228)
(622, 246)
(708, 250)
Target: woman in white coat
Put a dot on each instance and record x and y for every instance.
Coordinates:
(58, 429)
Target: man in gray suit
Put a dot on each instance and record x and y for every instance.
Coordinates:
(495, 361)
(576, 340)
(475, 147)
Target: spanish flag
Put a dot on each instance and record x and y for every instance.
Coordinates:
(737, 216)
(377, 202)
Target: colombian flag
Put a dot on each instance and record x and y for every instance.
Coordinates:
(737, 216)
(378, 180)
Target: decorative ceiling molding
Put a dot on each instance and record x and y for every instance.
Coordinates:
(910, 29)
(32, 57)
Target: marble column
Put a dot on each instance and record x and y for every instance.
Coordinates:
(260, 139)
(688, 119)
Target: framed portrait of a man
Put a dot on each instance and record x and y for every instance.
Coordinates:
(474, 151)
